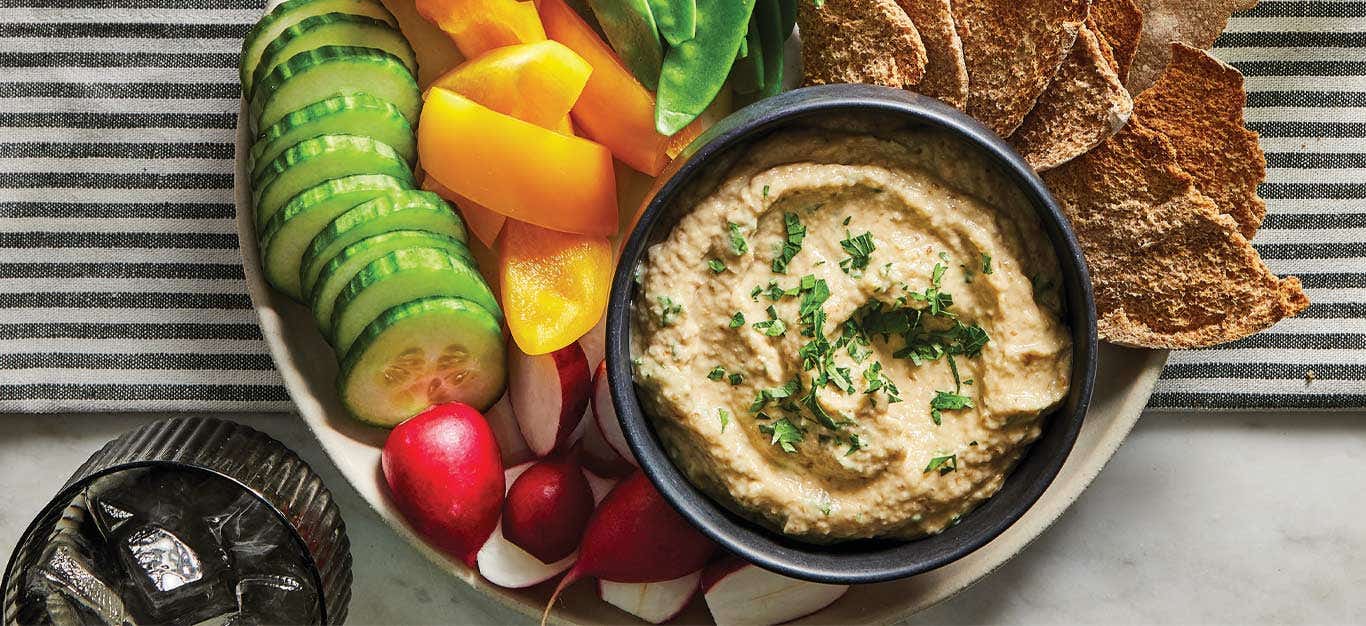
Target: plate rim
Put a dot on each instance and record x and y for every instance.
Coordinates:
(940, 585)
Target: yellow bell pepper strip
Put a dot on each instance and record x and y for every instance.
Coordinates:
(615, 110)
(533, 82)
(482, 223)
(477, 26)
(516, 168)
(554, 285)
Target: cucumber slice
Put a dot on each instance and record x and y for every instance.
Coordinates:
(319, 159)
(421, 353)
(287, 235)
(358, 114)
(335, 29)
(402, 276)
(291, 13)
(337, 275)
(329, 71)
(409, 210)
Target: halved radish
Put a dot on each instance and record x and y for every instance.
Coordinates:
(653, 602)
(607, 416)
(504, 424)
(547, 508)
(597, 454)
(594, 342)
(635, 536)
(549, 393)
(506, 565)
(738, 593)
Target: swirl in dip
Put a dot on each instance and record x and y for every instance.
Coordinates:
(852, 336)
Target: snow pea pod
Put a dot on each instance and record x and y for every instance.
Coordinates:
(677, 19)
(630, 27)
(768, 19)
(695, 70)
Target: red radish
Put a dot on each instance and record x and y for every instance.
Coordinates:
(597, 454)
(594, 343)
(653, 602)
(634, 537)
(607, 416)
(504, 424)
(741, 593)
(548, 507)
(446, 476)
(506, 565)
(548, 393)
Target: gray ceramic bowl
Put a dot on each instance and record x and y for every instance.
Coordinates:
(868, 560)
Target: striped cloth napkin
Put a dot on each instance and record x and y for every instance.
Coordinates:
(121, 288)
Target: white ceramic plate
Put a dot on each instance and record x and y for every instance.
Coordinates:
(1124, 380)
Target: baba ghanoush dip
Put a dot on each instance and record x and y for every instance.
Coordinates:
(851, 336)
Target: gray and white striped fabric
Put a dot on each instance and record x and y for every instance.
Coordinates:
(121, 287)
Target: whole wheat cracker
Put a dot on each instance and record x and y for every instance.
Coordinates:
(1106, 52)
(1192, 22)
(1169, 270)
(946, 73)
(1197, 104)
(1118, 23)
(1081, 108)
(859, 41)
(1012, 49)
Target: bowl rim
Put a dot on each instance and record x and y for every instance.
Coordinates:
(753, 121)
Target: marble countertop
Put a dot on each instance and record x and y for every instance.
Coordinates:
(1207, 518)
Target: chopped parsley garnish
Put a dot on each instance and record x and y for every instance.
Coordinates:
(784, 434)
(878, 381)
(947, 401)
(796, 232)
(986, 263)
(736, 378)
(754, 293)
(824, 507)
(859, 249)
(737, 320)
(716, 265)
(942, 464)
(725, 418)
(668, 310)
(775, 393)
(717, 373)
(846, 219)
(854, 444)
(772, 327)
(738, 245)
(765, 191)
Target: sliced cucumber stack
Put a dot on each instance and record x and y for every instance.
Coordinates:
(409, 210)
(292, 12)
(399, 277)
(329, 71)
(358, 114)
(421, 353)
(287, 234)
(335, 29)
(313, 161)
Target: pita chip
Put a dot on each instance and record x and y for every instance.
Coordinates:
(1197, 104)
(1083, 106)
(1119, 24)
(1012, 49)
(946, 73)
(859, 41)
(1169, 270)
(1192, 22)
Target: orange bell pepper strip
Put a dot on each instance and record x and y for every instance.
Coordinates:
(554, 285)
(615, 110)
(533, 82)
(482, 223)
(516, 168)
(477, 26)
